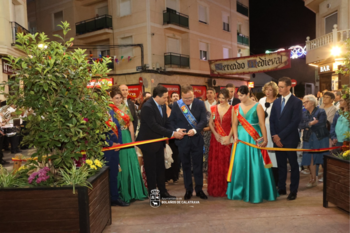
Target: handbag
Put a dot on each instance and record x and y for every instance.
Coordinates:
(168, 158)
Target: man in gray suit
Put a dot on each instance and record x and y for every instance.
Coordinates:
(125, 92)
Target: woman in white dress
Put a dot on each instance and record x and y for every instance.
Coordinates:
(270, 89)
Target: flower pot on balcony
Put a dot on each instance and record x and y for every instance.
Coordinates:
(53, 209)
(336, 182)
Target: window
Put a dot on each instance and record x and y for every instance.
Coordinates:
(102, 10)
(172, 4)
(125, 7)
(32, 27)
(330, 21)
(203, 16)
(127, 51)
(226, 22)
(239, 28)
(173, 45)
(203, 51)
(226, 53)
(57, 19)
(104, 53)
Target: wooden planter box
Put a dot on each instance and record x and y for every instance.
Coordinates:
(336, 182)
(48, 209)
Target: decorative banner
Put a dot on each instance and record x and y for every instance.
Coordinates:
(200, 91)
(251, 64)
(93, 82)
(135, 91)
(172, 88)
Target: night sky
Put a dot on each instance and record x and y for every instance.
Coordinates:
(278, 24)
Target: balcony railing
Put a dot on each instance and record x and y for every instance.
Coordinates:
(172, 17)
(334, 37)
(94, 24)
(242, 39)
(226, 27)
(242, 9)
(17, 28)
(177, 59)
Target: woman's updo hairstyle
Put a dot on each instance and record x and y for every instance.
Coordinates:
(115, 91)
(225, 93)
(244, 90)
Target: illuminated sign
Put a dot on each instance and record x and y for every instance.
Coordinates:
(251, 84)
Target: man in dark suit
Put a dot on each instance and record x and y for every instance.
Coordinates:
(191, 146)
(285, 117)
(125, 92)
(155, 124)
(232, 89)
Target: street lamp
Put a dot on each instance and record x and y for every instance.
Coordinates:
(336, 51)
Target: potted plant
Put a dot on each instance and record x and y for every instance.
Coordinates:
(58, 189)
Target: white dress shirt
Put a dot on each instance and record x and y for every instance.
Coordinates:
(208, 105)
(286, 98)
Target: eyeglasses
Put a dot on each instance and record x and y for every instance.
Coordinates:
(305, 102)
(190, 98)
(267, 105)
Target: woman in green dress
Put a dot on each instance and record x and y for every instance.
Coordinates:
(130, 182)
(251, 180)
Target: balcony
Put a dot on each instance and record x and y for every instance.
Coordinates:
(242, 39)
(242, 9)
(172, 17)
(177, 60)
(226, 27)
(94, 24)
(16, 28)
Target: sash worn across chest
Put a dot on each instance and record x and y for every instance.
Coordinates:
(121, 114)
(187, 113)
(217, 124)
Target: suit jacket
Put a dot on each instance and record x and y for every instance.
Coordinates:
(178, 120)
(133, 113)
(285, 124)
(153, 126)
(234, 102)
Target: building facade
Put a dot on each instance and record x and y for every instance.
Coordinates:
(325, 51)
(13, 19)
(161, 41)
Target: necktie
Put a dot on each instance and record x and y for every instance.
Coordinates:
(160, 110)
(230, 102)
(283, 103)
(189, 107)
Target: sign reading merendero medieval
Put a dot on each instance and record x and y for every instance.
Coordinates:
(252, 64)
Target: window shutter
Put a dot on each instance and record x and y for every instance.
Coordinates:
(173, 45)
(203, 46)
(225, 18)
(127, 51)
(172, 4)
(202, 13)
(102, 10)
(330, 21)
(226, 53)
(125, 7)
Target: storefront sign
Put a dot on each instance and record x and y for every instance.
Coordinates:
(135, 91)
(200, 91)
(7, 68)
(172, 88)
(97, 83)
(251, 64)
(327, 68)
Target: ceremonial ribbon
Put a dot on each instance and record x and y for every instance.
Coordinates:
(229, 174)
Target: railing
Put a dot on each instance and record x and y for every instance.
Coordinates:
(242, 39)
(173, 17)
(331, 38)
(94, 24)
(226, 27)
(176, 59)
(17, 28)
(244, 10)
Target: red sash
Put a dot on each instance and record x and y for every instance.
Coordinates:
(121, 114)
(217, 124)
(254, 134)
(113, 128)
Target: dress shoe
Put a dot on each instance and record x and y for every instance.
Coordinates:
(202, 195)
(188, 195)
(282, 192)
(119, 202)
(167, 196)
(292, 196)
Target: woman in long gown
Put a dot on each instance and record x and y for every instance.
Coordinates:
(220, 145)
(250, 180)
(130, 182)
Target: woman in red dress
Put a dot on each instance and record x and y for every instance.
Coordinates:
(220, 145)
